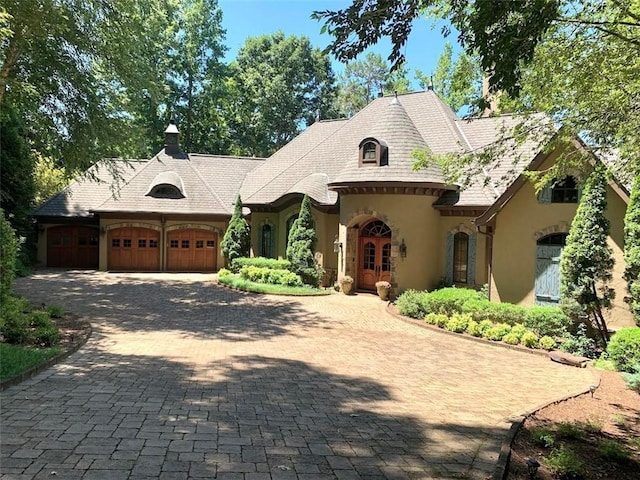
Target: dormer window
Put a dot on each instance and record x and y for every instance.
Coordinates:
(373, 152)
(165, 191)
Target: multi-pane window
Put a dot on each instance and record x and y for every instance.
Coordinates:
(369, 153)
(126, 242)
(369, 256)
(142, 243)
(185, 243)
(565, 191)
(199, 243)
(153, 244)
(460, 257)
(115, 242)
(211, 243)
(267, 241)
(173, 244)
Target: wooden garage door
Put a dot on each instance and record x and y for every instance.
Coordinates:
(192, 250)
(72, 247)
(134, 249)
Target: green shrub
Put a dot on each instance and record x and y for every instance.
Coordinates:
(579, 344)
(8, 253)
(550, 321)
(624, 348)
(612, 450)
(411, 303)
(46, 336)
(223, 272)
(529, 339)
(546, 343)
(262, 262)
(569, 431)
(543, 437)
(477, 308)
(564, 462)
(506, 313)
(484, 326)
(497, 332)
(511, 339)
(15, 327)
(449, 300)
(633, 379)
(39, 319)
(473, 328)
(301, 246)
(268, 275)
(437, 319)
(458, 323)
(55, 311)
(518, 330)
(236, 241)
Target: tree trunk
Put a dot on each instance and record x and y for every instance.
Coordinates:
(599, 320)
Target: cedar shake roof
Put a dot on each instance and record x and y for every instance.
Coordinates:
(210, 184)
(404, 123)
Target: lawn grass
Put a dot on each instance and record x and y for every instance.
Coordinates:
(18, 358)
(235, 281)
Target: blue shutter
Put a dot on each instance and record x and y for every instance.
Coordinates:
(545, 194)
(471, 259)
(449, 268)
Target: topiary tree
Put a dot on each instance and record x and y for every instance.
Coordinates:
(587, 259)
(632, 251)
(301, 245)
(237, 239)
(8, 252)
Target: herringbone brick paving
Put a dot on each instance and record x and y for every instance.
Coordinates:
(183, 379)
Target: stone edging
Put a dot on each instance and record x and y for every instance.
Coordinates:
(35, 370)
(502, 464)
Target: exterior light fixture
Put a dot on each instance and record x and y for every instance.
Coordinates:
(532, 467)
(337, 245)
(403, 249)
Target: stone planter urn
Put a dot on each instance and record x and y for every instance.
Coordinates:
(383, 288)
(347, 285)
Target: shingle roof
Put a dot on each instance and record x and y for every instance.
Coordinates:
(91, 189)
(210, 184)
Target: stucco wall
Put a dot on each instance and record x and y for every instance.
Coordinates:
(521, 222)
(412, 219)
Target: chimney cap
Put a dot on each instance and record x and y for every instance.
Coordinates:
(172, 128)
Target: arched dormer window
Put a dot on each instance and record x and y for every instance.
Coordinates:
(372, 152)
(167, 185)
(165, 191)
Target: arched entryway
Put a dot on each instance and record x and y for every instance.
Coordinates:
(547, 284)
(374, 258)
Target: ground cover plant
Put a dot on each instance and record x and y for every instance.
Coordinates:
(19, 358)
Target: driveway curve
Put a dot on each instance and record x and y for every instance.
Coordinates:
(183, 379)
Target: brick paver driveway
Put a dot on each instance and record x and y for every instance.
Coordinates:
(183, 379)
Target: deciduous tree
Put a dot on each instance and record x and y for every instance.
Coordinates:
(632, 251)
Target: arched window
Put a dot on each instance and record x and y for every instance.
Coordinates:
(373, 152)
(267, 243)
(369, 153)
(460, 257)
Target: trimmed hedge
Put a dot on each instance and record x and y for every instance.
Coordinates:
(624, 349)
(270, 275)
(549, 321)
(449, 300)
(262, 262)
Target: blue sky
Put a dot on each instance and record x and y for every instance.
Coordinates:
(248, 18)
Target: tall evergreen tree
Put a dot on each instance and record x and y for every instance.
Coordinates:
(236, 242)
(301, 245)
(587, 260)
(632, 250)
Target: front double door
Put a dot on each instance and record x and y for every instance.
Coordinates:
(374, 261)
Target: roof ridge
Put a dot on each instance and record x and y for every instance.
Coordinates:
(238, 157)
(447, 120)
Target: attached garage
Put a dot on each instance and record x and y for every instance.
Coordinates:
(134, 249)
(72, 246)
(192, 250)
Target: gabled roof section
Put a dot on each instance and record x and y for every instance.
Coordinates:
(91, 189)
(212, 183)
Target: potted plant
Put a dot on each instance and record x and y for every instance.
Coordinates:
(347, 284)
(383, 287)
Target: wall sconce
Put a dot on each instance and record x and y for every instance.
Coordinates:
(532, 467)
(403, 249)
(337, 245)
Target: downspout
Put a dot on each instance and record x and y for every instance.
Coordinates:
(163, 243)
(489, 235)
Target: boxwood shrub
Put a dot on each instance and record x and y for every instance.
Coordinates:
(449, 300)
(269, 275)
(549, 321)
(624, 349)
(412, 303)
(238, 263)
(497, 332)
(529, 339)
(458, 322)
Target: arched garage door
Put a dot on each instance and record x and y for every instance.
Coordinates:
(72, 246)
(192, 250)
(135, 249)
